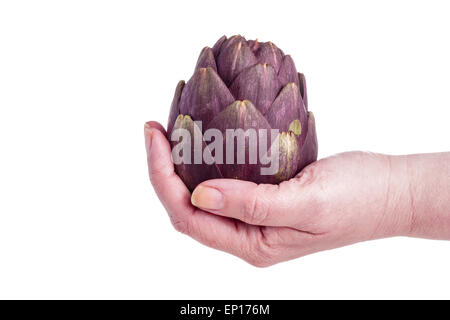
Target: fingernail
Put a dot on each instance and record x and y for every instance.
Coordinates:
(207, 198)
(148, 133)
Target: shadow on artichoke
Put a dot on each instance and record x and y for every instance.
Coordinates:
(244, 109)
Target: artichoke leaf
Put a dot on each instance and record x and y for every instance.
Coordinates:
(286, 108)
(288, 72)
(268, 53)
(174, 108)
(259, 84)
(189, 152)
(206, 59)
(302, 80)
(234, 56)
(309, 151)
(288, 158)
(204, 96)
(246, 136)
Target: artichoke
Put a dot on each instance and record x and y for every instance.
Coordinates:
(242, 84)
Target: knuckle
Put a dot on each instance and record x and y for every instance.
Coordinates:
(260, 253)
(259, 264)
(258, 261)
(315, 183)
(181, 226)
(256, 211)
(156, 171)
(308, 175)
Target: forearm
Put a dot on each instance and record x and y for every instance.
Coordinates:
(427, 195)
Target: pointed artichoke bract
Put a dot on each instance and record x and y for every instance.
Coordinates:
(302, 81)
(174, 108)
(268, 53)
(234, 56)
(288, 155)
(218, 45)
(253, 45)
(309, 151)
(190, 165)
(288, 72)
(259, 84)
(204, 96)
(286, 109)
(206, 59)
(242, 143)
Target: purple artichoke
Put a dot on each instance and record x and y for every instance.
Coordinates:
(248, 85)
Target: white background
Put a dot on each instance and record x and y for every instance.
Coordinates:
(78, 79)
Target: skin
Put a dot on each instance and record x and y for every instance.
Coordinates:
(336, 201)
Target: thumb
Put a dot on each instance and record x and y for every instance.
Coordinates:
(263, 204)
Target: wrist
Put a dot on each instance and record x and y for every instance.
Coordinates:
(397, 213)
(425, 200)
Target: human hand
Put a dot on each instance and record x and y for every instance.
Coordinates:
(333, 202)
